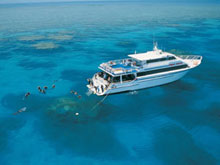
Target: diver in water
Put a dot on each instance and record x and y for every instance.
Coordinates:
(27, 95)
(20, 110)
(43, 91)
(39, 89)
(75, 93)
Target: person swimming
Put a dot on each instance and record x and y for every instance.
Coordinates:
(53, 86)
(75, 93)
(43, 91)
(27, 94)
(20, 110)
(39, 89)
(45, 87)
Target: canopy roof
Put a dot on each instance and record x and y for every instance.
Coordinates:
(148, 55)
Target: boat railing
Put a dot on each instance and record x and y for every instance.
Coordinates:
(108, 66)
(190, 57)
(120, 61)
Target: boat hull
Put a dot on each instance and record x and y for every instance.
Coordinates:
(146, 82)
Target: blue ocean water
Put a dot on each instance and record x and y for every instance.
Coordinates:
(63, 43)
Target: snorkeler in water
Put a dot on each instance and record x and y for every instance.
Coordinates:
(27, 95)
(39, 88)
(20, 110)
(54, 81)
(43, 91)
(53, 86)
(75, 93)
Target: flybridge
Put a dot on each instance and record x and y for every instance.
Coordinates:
(118, 67)
(135, 63)
(150, 55)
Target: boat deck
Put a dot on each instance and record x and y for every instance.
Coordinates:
(129, 66)
(118, 67)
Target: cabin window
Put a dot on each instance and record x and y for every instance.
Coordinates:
(128, 77)
(137, 63)
(106, 76)
(156, 60)
(101, 74)
(116, 79)
(171, 58)
(160, 59)
(161, 70)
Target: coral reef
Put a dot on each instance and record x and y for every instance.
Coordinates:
(45, 45)
(66, 108)
(31, 38)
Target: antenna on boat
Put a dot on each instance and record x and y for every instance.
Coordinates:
(155, 46)
(154, 42)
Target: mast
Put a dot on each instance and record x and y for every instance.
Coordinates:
(155, 46)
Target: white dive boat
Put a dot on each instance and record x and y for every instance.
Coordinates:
(140, 71)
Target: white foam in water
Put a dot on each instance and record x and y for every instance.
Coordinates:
(89, 92)
(133, 92)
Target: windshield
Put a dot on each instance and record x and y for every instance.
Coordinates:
(105, 76)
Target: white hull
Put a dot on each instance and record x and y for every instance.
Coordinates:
(144, 82)
(150, 72)
(147, 82)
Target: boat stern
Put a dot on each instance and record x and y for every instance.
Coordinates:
(98, 85)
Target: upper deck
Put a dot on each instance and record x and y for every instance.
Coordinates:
(136, 63)
(118, 67)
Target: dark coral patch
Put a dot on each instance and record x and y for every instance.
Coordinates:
(8, 125)
(83, 134)
(75, 75)
(191, 118)
(127, 44)
(30, 65)
(212, 73)
(5, 55)
(33, 102)
(173, 145)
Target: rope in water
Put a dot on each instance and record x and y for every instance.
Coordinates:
(99, 102)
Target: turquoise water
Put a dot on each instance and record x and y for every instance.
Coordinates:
(63, 43)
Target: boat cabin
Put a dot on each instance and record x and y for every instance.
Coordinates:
(140, 71)
(125, 70)
(116, 78)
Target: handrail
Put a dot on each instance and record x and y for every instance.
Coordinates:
(108, 66)
(190, 57)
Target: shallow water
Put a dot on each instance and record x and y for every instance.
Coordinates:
(63, 43)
